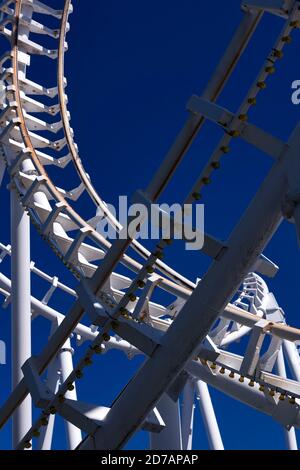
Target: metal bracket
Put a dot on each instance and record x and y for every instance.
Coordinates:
(48, 225)
(51, 291)
(142, 305)
(286, 414)
(253, 135)
(35, 186)
(89, 417)
(91, 304)
(277, 7)
(72, 254)
(266, 267)
(40, 393)
(252, 353)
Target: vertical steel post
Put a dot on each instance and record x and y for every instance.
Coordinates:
(209, 417)
(21, 290)
(292, 358)
(65, 362)
(21, 310)
(187, 415)
(45, 439)
(290, 436)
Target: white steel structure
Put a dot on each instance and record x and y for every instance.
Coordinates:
(181, 361)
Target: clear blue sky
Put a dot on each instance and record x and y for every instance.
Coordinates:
(131, 68)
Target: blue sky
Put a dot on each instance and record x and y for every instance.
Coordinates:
(131, 68)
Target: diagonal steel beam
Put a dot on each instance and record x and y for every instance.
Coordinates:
(259, 222)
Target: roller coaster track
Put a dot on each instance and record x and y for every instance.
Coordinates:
(122, 306)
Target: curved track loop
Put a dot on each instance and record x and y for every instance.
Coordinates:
(78, 162)
(54, 236)
(66, 231)
(58, 216)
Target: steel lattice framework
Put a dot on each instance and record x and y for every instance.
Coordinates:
(181, 360)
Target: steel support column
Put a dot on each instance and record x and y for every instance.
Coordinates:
(187, 415)
(209, 417)
(65, 361)
(292, 358)
(290, 436)
(45, 439)
(21, 310)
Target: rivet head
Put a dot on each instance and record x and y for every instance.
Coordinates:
(216, 165)
(262, 85)
(278, 54)
(106, 337)
(234, 133)
(206, 180)
(132, 297)
(158, 255)
(197, 196)
(97, 349)
(88, 361)
(287, 39)
(270, 70)
(252, 101)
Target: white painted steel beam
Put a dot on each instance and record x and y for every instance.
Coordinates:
(293, 358)
(209, 417)
(246, 243)
(21, 310)
(290, 435)
(187, 415)
(65, 363)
